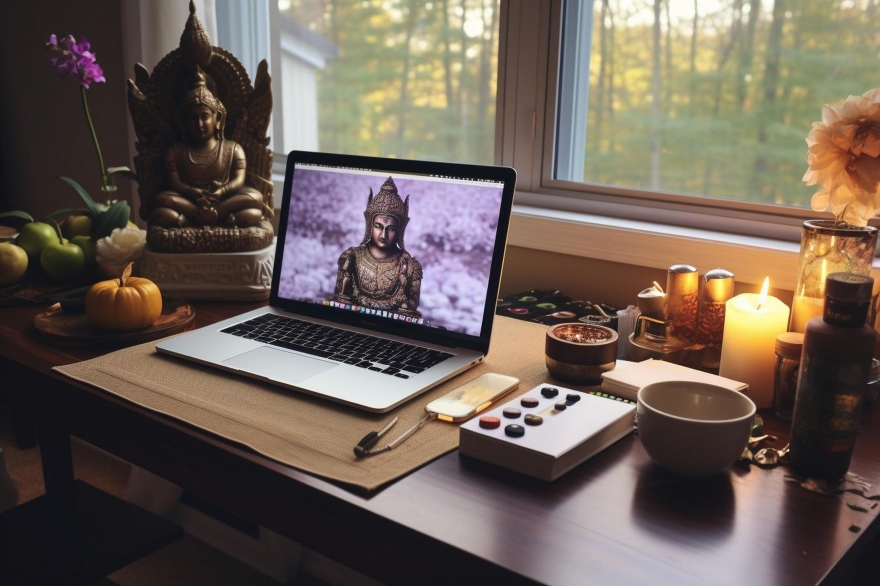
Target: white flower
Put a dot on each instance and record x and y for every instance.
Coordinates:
(124, 245)
(844, 158)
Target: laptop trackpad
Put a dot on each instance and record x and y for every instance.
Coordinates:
(278, 365)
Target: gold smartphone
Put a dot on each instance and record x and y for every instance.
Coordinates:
(472, 397)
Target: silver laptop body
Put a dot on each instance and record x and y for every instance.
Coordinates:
(423, 309)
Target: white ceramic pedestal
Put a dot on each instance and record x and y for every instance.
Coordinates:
(208, 276)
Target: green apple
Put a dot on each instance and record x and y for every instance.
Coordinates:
(62, 260)
(33, 236)
(76, 226)
(13, 263)
(88, 247)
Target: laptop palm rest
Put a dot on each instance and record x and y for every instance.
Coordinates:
(278, 365)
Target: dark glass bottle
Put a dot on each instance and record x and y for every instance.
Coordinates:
(836, 360)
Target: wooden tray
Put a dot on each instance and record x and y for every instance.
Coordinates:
(76, 331)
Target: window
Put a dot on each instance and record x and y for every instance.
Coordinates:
(403, 78)
(686, 112)
(721, 146)
(705, 97)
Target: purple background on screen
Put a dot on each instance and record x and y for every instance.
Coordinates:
(451, 232)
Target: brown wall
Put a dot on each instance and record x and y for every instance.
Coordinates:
(44, 129)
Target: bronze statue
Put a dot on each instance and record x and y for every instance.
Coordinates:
(203, 162)
(380, 273)
(206, 173)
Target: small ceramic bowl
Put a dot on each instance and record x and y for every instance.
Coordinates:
(693, 429)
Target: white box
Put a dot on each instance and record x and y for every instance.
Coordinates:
(562, 441)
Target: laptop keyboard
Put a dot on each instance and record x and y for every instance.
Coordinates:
(386, 356)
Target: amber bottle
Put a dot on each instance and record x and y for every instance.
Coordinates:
(833, 377)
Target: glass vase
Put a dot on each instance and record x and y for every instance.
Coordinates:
(828, 246)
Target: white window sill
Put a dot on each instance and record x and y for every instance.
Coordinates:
(654, 245)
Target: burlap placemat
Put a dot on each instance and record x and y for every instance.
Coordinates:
(313, 435)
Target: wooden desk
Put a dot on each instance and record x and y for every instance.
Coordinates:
(615, 519)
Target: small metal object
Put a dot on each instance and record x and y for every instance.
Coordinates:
(755, 440)
(682, 285)
(766, 457)
(363, 453)
(371, 438)
(769, 457)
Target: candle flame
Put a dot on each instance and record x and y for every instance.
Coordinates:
(763, 296)
(658, 287)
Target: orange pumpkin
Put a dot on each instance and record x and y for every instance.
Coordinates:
(124, 304)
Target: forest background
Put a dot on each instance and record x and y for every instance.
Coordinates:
(703, 97)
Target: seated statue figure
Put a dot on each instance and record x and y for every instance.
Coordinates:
(206, 173)
(203, 161)
(380, 273)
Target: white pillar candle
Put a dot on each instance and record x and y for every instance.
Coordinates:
(751, 325)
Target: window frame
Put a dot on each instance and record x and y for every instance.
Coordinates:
(526, 120)
(635, 227)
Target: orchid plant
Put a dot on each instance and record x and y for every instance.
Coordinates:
(72, 58)
(844, 159)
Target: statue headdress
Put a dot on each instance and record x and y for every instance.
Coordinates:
(196, 47)
(387, 203)
(200, 95)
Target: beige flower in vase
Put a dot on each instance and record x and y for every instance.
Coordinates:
(844, 159)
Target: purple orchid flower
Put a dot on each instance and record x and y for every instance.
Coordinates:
(75, 59)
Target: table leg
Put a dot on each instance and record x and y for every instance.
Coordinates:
(23, 427)
(56, 456)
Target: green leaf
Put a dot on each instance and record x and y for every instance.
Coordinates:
(16, 214)
(104, 223)
(87, 199)
(125, 172)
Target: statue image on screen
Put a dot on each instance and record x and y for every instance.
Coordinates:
(422, 252)
(203, 162)
(380, 273)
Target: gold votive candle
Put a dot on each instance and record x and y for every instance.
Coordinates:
(682, 286)
(717, 288)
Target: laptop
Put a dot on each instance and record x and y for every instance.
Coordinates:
(384, 284)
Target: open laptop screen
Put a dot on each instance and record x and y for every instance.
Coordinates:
(398, 246)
